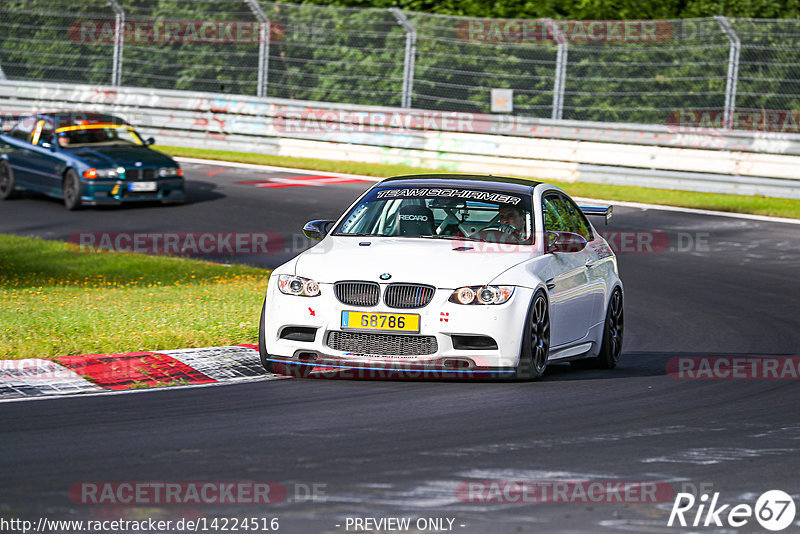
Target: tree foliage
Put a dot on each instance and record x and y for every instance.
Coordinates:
(586, 9)
(356, 54)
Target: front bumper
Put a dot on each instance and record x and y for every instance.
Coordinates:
(447, 322)
(115, 192)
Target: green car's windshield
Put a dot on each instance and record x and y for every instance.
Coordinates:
(457, 213)
(97, 135)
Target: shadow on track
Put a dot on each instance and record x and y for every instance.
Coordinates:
(196, 193)
(639, 364)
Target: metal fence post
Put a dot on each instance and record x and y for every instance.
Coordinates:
(733, 69)
(119, 38)
(2, 74)
(263, 47)
(411, 52)
(561, 70)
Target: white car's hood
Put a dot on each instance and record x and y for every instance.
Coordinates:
(441, 263)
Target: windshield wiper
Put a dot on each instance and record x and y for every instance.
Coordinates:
(359, 234)
(450, 237)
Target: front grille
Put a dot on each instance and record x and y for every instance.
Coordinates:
(408, 295)
(357, 293)
(382, 344)
(138, 174)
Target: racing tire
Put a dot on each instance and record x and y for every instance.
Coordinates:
(72, 190)
(536, 340)
(7, 186)
(278, 368)
(614, 327)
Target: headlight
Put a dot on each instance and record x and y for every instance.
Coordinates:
(297, 285)
(91, 174)
(166, 172)
(482, 295)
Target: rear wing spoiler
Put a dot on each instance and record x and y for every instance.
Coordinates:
(598, 211)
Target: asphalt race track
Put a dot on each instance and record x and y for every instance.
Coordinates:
(216, 202)
(722, 287)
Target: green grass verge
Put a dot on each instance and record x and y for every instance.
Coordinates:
(776, 207)
(55, 301)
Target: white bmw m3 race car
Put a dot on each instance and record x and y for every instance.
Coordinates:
(448, 276)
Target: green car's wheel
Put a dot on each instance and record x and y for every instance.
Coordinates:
(7, 185)
(72, 190)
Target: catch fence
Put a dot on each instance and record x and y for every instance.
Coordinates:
(715, 73)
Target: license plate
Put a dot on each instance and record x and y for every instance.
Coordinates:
(388, 322)
(142, 186)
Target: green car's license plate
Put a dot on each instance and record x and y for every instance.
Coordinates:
(142, 186)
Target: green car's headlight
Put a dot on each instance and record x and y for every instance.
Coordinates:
(166, 172)
(91, 174)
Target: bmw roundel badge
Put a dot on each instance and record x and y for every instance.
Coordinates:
(385, 276)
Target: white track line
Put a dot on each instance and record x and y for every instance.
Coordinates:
(275, 169)
(639, 205)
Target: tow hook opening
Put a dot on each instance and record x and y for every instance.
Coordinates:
(457, 363)
(306, 356)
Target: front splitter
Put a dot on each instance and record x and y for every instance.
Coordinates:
(363, 368)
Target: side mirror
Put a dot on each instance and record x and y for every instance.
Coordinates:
(150, 141)
(316, 230)
(564, 242)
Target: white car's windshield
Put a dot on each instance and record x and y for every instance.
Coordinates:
(446, 213)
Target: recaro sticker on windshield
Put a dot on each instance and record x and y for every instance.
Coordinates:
(471, 194)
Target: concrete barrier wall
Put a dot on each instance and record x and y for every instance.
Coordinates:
(650, 156)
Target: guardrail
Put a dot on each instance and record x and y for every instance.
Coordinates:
(651, 156)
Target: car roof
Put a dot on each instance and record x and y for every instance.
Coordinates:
(78, 118)
(499, 183)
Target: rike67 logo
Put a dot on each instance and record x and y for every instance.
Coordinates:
(774, 510)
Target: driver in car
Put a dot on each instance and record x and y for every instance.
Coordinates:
(511, 220)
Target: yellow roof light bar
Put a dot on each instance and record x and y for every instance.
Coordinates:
(92, 127)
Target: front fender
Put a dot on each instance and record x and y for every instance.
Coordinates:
(530, 274)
